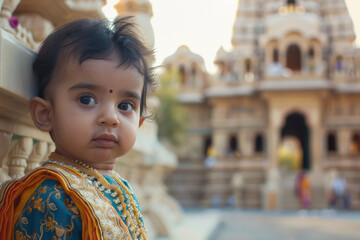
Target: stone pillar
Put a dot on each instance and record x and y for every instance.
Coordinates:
(282, 57)
(5, 143)
(237, 182)
(344, 141)
(316, 149)
(220, 142)
(272, 187)
(18, 156)
(314, 125)
(37, 156)
(250, 138)
(274, 137)
(246, 142)
(241, 70)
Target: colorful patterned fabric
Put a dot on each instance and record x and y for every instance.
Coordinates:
(49, 213)
(58, 201)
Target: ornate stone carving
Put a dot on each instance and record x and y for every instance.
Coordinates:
(5, 143)
(37, 25)
(18, 156)
(37, 155)
(7, 9)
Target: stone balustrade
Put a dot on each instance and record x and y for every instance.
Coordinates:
(20, 155)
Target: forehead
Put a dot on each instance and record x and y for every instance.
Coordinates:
(104, 72)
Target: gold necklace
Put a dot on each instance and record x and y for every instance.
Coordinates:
(128, 209)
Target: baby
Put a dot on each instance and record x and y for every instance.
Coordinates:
(93, 83)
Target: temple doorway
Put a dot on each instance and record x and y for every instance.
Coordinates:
(295, 127)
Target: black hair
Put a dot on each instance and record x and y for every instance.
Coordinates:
(85, 39)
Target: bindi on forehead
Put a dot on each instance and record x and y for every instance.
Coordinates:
(110, 91)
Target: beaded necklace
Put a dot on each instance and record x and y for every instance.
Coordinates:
(124, 200)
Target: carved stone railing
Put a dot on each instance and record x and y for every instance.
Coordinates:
(6, 15)
(21, 155)
(22, 146)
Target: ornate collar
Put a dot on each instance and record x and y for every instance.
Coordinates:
(124, 200)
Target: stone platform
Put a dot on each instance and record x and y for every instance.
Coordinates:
(230, 224)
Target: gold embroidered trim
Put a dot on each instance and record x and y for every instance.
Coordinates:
(110, 223)
(129, 209)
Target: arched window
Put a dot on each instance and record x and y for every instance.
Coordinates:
(233, 146)
(331, 143)
(224, 69)
(248, 67)
(193, 69)
(293, 57)
(193, 74)
(311, 53)
(182, 75)
(275, 55)
(207, 144)
(259, 144)
(339, 65)
(355, 144)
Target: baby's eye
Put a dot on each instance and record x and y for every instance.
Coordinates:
(126, 106)
(87, 100)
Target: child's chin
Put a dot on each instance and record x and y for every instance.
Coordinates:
(103, 155)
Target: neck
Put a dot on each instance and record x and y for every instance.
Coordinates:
(105, 172)
(102, 168)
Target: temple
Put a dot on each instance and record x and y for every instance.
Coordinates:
(285, 99)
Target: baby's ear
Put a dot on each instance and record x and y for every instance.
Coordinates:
(141, 121)
(40, 110)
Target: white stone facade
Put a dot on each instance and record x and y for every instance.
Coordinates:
(292, 71)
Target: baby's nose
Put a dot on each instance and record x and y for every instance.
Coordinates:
(109, 118)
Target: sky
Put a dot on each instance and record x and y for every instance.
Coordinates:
(203, 25)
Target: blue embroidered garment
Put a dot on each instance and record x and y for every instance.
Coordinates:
(50, 213)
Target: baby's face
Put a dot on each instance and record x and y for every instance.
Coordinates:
(96, 110)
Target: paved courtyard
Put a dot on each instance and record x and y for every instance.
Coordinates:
(259, 225)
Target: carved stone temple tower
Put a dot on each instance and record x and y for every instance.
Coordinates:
(285, 99)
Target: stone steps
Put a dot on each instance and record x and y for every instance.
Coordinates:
(196, 186)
